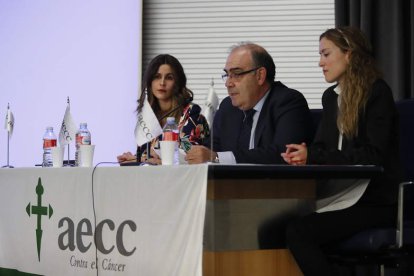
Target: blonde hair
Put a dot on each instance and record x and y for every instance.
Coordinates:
(358, 78)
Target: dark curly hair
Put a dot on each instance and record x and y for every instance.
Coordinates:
(181, 93)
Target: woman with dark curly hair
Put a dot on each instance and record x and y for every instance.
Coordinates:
(359, 126)
(165, 85)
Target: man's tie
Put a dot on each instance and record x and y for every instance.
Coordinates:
(246, 129)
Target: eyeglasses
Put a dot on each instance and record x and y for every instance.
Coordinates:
(237, 75)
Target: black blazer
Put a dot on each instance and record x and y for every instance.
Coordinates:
(377, 142)
(284, 119)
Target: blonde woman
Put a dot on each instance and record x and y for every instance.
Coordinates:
(359, 126)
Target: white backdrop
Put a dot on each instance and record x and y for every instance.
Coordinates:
(87, 50)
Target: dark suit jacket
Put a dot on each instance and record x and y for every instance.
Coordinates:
(377, 142)
(284, 119)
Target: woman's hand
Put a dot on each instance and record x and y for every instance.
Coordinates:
(153, 161)
(296, 154)
(126, 157)
(155, 158)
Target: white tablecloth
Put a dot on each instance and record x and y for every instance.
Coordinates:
(146, 220)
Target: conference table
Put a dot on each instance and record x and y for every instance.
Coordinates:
(207, 219)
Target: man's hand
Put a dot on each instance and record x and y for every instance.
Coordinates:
(200, 154)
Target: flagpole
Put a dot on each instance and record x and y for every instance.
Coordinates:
(68, 156)
(8, 149)
(8, 142)
(68, 143)
(8, 163)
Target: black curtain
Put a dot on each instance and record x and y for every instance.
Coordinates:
(389, 24)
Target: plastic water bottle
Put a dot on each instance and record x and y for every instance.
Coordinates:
(170, 132)
(49, 141)
(83, 137)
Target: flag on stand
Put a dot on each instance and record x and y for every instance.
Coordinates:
(147, 126)
(9, 122)
(68, 129)
(211, 104)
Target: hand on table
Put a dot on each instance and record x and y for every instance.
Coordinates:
(200, 154)
(296, 154)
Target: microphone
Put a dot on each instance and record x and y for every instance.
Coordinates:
(185, 102)
(194, 113)
(195, 110)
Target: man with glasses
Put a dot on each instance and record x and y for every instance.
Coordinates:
(259, 117)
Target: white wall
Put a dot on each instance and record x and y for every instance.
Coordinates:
(199, 33)
(87, 50)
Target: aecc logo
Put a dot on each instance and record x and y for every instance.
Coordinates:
(71, 237)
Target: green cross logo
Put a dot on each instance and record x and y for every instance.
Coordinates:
(39, 210)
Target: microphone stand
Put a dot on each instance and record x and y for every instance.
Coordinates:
(139, 153)
(185, 102)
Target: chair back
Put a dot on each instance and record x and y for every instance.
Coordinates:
(372, 240)
(406, 112)
(407, 194)
(316, 115)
